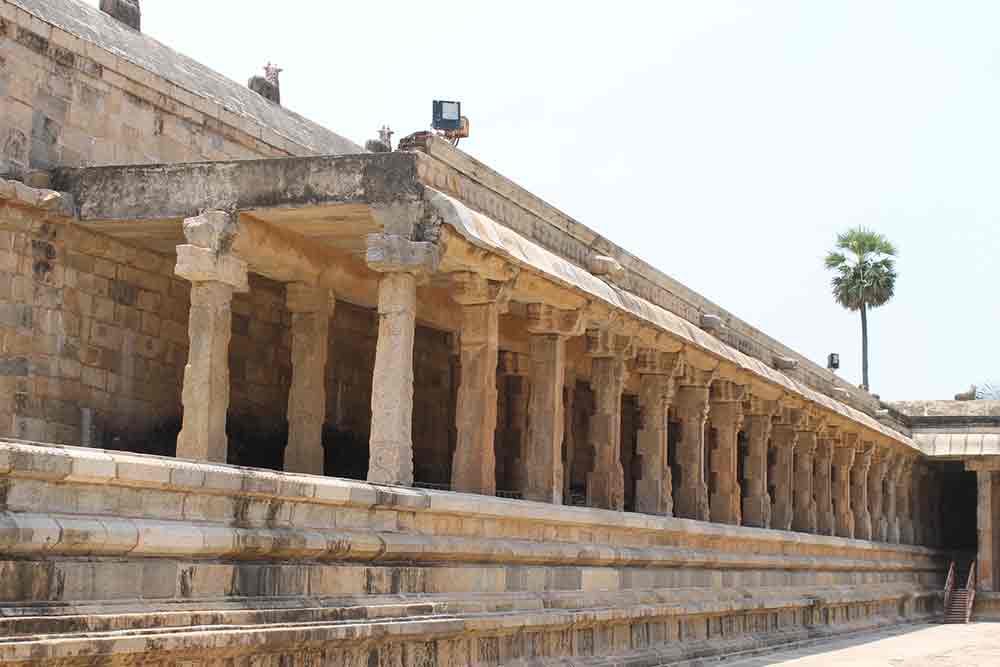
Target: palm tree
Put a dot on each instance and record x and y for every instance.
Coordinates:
(866, 277)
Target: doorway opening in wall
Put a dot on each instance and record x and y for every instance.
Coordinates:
(959, 499)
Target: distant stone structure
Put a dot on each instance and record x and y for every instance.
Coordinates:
(392, 408)
(125, 11)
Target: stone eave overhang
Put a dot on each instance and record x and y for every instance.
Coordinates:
(385, 181)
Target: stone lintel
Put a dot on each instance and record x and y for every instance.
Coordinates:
(725, 391)
(544, 319)
(472, 289)
(202, 265)
(388, 253)
(754, 406)
(650, 361)
(606, 343)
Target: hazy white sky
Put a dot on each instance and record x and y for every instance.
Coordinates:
(724, 142)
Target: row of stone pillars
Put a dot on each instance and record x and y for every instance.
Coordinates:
(798, 472)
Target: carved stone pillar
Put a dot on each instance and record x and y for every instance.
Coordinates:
(691, 405)
(311, 309)
(757, 423)
(654, 489)
(402, 263)
(859, 492)
(804, 519)
(876, 477)
(843, 462)
(826, 524)
(606, 481)
(890, 509)
(784, 439)
(473, 467)
(725, 415)
(933, 508)
(515, 369)
(986, 518)
(214, 274)
(543, 464)
(904, 501)
(918, 502)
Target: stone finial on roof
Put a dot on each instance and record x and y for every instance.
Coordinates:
(125, 11)
(267, 86)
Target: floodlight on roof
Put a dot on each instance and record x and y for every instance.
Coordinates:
(448, 121)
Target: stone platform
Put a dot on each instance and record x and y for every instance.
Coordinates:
(123, 559)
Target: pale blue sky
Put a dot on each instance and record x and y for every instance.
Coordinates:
(724, 142)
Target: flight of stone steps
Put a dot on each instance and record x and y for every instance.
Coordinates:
(959, 607)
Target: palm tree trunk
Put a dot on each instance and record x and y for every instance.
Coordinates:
(864, 346)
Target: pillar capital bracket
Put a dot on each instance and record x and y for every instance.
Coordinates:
(650, 361)
(606, 343)
(203, 265)
(755, 406)
(514, 363)
(212, 229)
(696, 377)
(546, 319)
(387, 253)
(726, 391)
(472, 289)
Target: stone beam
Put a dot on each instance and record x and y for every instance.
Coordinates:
(163, 192)
(401, 264)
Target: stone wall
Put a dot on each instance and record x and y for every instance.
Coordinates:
(69, 100)
(90, 324)
(133, 559)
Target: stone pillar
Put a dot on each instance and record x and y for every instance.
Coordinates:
(691, 405)
(891, 509)
(784, 438)
(402, 264)
(606, 481)
(986, 518)
(859, 492)
(654, 489)
(543, 465)
(804, 517)
(843, 462)
(918, 502)
(514, 371)
(473, 465)
(569, 431)
(823, 481)
(876, 475)
(904, 499)
(311, 309)
(214, 274)
(757, 423)
(933, 508)
(725, 415)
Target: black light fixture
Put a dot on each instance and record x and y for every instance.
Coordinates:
(447, 116)
(833, 361)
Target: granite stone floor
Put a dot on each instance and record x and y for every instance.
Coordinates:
(972, 645)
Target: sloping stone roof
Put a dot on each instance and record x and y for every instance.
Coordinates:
(92, 25)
